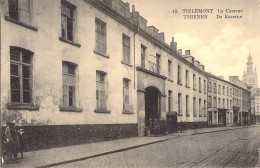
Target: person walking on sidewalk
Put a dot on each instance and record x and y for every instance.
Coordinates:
(196, 127)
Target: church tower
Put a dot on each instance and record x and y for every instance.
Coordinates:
(250, 76)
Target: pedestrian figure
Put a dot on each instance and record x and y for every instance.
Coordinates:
(184, 126)
(181, 126)
(196, 127)
(156, 128)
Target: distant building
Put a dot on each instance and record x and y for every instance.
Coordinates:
(250, 77)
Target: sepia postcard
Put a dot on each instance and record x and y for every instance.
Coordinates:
(129, 83)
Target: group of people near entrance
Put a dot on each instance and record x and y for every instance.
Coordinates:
(157, 127)
(11, 143)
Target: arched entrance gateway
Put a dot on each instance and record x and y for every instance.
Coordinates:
(152, 106)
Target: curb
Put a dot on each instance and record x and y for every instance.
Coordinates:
(128, 148)
(218, 130)
(101, 154)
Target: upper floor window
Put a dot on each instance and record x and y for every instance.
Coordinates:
(158, 62)
(199, 84)
(100, 36)
(67, 20)
(205, 86)
(209, 87)
(179, 74)
(126, 49)
(194, 81)
(210, 102)
(100, 90)
(170, 69)
(143, 56)
(227, 91)
(69, 84)
(187, 78)
(21, 75)
(215, 102)
(223, 90)
(219, 89)
(214, 88)
(20, 10)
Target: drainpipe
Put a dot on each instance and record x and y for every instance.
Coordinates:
(208, 103)
(134, 55)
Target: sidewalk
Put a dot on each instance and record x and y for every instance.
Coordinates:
(58, 156)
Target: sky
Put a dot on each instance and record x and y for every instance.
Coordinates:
(222, 45)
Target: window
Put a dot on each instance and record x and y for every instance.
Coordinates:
(187, 106)
(194, 82)
(21, 75)
(69, 84)
(158, 57)
(126, 49)
(170, 69)
(219, 103)
(209, 87)
(100, 90)
(205, 109)
(224, 103)
(200, 110)
(219, 89)
(20, 10)
(67, 20)
(227, 91)
(169, 100)
(199, 84)
(231, 105)
(126, 106)
(215, 102)
(187, 78)
(223, 90)
(179, 74)
(194, 107)
(210, 102)
(143, 50)
(227, 104)
(214, 88)
(179, 104)
(100, 36)
(205, 86)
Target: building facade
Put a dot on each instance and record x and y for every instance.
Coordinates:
(228, 102)
(95, 71)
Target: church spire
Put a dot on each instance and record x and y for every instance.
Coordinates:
(249, 63)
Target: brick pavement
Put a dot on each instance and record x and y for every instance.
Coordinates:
(81, 152)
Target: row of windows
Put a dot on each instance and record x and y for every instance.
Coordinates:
(226, 103)
(201, 111)
(21, 81)
(67, 32)
(187, 82)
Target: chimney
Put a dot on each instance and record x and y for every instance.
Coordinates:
(180, 51)
(187, 52)
(173, 45)
(133, 8)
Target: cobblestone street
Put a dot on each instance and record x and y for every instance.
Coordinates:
(233, 148)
